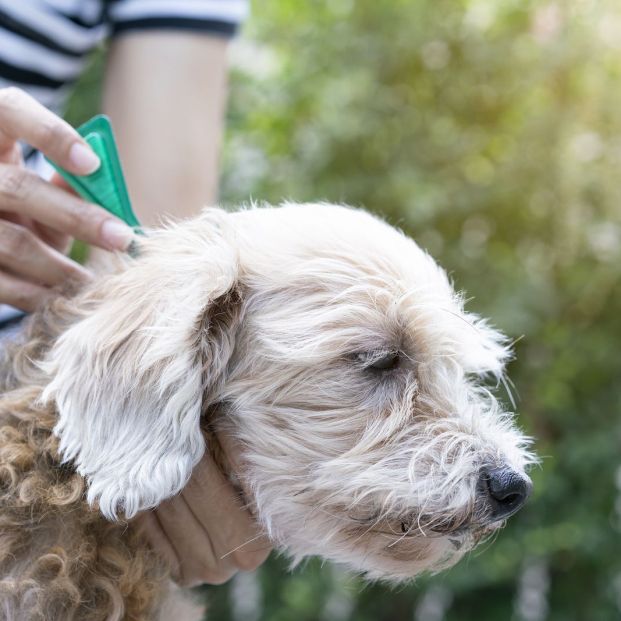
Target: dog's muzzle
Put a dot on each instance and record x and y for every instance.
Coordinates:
(505, 491)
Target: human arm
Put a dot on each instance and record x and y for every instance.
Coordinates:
(165, 92)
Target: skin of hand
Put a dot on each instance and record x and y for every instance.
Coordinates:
(205, 533)
(37, 218)
(165, 93)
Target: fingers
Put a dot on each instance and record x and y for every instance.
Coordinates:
(57, 240)
(149, 526)
(24, 255)
(213, 501)
(199, 561)
(11, 153)
(59, 182)
(212, 534)
(21, 294)
(29, 268)
(23, 118)
(25, 193)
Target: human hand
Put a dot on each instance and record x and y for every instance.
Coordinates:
(204, 532)
(39, 218)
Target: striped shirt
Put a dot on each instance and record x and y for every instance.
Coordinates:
(45, 44)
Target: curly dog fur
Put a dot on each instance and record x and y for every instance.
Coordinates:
(58, 558)
(330, 347)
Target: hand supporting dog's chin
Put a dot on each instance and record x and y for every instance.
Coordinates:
(205, 534)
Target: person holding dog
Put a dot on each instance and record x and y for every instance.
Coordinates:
(165, 91)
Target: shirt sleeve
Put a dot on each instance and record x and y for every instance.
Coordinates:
(217, 17)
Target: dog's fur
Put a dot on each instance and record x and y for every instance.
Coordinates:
(267, 325)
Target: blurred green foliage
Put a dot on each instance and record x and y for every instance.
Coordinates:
(490, 130)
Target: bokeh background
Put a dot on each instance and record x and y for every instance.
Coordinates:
(490, 130)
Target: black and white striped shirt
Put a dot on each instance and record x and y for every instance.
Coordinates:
(45, 44)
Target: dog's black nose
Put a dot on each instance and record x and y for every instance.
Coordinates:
(506, 490)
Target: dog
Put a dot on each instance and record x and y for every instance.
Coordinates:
(325, 342)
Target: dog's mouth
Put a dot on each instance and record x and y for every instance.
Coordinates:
(476, 523)
(404, 536)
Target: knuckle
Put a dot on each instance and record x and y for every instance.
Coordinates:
(249, 560)
(11, 97)
(77, 219)
(14, 183)
(52, 133)
(13, 239)
(209, 574)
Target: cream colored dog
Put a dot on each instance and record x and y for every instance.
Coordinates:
(327, 343)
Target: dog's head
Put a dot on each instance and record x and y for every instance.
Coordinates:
(334, 351)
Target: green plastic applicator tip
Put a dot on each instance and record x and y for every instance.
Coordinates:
(106, 186)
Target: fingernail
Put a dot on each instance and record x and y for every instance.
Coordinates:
(83, 158)
(116, 234)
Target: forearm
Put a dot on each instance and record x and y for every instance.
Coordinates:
(165, 93)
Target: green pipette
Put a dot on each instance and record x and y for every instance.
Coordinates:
(106, 186)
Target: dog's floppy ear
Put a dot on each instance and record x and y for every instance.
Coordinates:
(128, 378)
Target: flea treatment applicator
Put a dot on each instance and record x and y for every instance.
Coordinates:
(106, 186)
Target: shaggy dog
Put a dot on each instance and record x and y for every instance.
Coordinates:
(328, 344)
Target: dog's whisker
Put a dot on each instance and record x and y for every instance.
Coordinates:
(239, 547)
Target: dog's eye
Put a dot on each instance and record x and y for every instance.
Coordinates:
(386, 362)
(378, 360)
